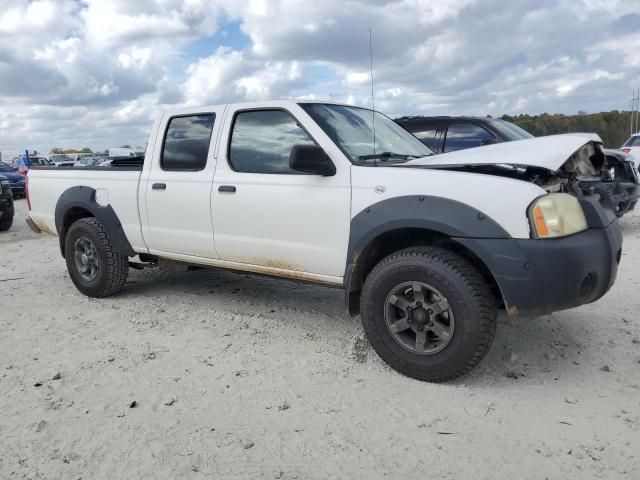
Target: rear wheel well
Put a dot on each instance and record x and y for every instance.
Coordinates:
(391, 241)
(70, 217)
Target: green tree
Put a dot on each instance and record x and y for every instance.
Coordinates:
(613, 126)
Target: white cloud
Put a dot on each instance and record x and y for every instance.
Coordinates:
(228, 76)
(96, 72)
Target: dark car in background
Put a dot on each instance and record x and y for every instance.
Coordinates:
(619, 181)
(16, 180)
(6, 204)
(448, 134)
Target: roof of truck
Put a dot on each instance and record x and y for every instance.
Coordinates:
(260, 104)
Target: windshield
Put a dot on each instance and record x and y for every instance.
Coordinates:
(509, 130)
(5, 168)
(351, 128)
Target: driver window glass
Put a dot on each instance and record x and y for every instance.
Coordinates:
(261, 141)
(465, 135)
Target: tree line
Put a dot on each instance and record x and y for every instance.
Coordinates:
(58, 150)
(613, 127)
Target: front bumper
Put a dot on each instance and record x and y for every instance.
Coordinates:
(537, 277)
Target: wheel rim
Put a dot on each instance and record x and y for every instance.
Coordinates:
(86, 259)
(419, 318)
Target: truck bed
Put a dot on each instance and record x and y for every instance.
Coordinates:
(116, 186)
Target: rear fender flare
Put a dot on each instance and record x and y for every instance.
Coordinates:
(83, 197)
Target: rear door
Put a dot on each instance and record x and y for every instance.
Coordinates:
(178, 188)
(268, 215)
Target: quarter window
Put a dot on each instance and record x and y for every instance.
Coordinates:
(465, 135)
(186, 144)
(427, 135)
(261, 141)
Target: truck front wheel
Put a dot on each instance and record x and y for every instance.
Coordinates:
(95, 267)
(428, 313)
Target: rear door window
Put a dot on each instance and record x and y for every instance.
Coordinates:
(461, 136)
(186, 143)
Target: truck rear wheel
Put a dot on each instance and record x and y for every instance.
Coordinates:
(428, 313)
(94, 266)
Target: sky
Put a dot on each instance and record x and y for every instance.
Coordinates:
(96, 72)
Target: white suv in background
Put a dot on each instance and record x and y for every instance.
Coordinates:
(632, 147)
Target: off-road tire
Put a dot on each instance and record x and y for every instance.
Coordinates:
(113, 268)
(5, 223)
(468, 294)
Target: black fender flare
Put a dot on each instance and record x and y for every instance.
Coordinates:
(83, 197)
(450, 218)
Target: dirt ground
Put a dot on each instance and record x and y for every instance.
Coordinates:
(239, 376)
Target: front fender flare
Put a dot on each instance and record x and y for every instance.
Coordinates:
(444, 216)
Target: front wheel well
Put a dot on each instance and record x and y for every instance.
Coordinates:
(398, 239)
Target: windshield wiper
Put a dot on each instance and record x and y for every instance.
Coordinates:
(386, 155)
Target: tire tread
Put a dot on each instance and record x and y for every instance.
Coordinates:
(117, 266)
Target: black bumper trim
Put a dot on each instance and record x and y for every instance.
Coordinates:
(537, 277)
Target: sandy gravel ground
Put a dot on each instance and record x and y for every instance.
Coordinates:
(237, 376)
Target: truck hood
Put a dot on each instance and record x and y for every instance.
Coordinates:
(582, 152)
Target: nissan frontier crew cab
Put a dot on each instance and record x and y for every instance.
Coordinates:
(427, 248)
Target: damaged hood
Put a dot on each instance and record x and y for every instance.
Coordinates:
(551, 153)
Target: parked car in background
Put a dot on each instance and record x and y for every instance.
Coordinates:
(426, 247)
(6, 204)
(16, 180)
(61, 160)
(618, 178)
(41, 162)
(76, 157)
(121, 152)
(35, 161)
(632, 146)
(448, 134)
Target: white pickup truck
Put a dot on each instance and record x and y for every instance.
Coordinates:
(427, 248)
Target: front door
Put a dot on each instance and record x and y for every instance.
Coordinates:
(265, 213)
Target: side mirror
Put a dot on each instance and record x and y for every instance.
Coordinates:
(311, 159)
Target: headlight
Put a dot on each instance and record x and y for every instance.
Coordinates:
(556, 215)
